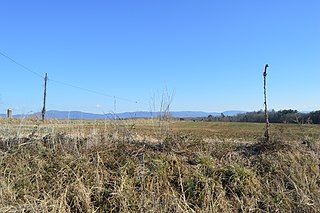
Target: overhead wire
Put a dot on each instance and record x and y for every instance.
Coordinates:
(64, 83)
(21, 65)
(91, 91)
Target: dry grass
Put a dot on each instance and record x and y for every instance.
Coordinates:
(99, 167)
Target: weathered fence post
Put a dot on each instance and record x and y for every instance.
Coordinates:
(266, 133)
(44, 97)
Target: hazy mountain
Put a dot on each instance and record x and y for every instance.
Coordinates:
(233, 112)
(78, 115)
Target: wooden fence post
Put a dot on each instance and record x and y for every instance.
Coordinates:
(44, 98)
(266, 133)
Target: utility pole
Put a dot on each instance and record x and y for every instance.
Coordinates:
(266, 133)
(44, 97)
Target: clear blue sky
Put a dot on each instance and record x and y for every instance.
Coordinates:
(210, 54)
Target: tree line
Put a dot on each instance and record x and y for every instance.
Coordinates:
(281, 116)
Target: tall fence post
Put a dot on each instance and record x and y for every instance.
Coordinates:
(266, 133)
(44, 97)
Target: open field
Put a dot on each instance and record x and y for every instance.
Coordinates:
(157, 166)
(248, 132)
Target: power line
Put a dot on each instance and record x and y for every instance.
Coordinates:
(92, 91)
(66, 84)
(21, 65)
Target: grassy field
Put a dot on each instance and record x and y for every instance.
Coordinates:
(249, 132)
(157, 166)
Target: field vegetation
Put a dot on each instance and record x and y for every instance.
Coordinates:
(157, 166)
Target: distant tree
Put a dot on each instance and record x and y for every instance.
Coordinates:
(210, 118)
(315, 117)
(281, 116)
(287, 116)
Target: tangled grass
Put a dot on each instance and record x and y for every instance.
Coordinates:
(59, 172)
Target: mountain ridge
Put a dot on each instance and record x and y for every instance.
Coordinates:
(79, 115)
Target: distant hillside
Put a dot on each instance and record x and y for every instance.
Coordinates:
(78, 115)
(233, 112)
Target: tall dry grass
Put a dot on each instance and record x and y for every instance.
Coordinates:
(59, 171)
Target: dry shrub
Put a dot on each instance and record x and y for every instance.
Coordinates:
(62, 173)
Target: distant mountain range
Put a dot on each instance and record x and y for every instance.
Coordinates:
(77, 115)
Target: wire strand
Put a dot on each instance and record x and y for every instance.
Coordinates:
(21, 65)
(92, 91)
(67, 84)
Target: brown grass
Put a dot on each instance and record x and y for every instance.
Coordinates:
(89, 168)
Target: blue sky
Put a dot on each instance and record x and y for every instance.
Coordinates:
(209, 54)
